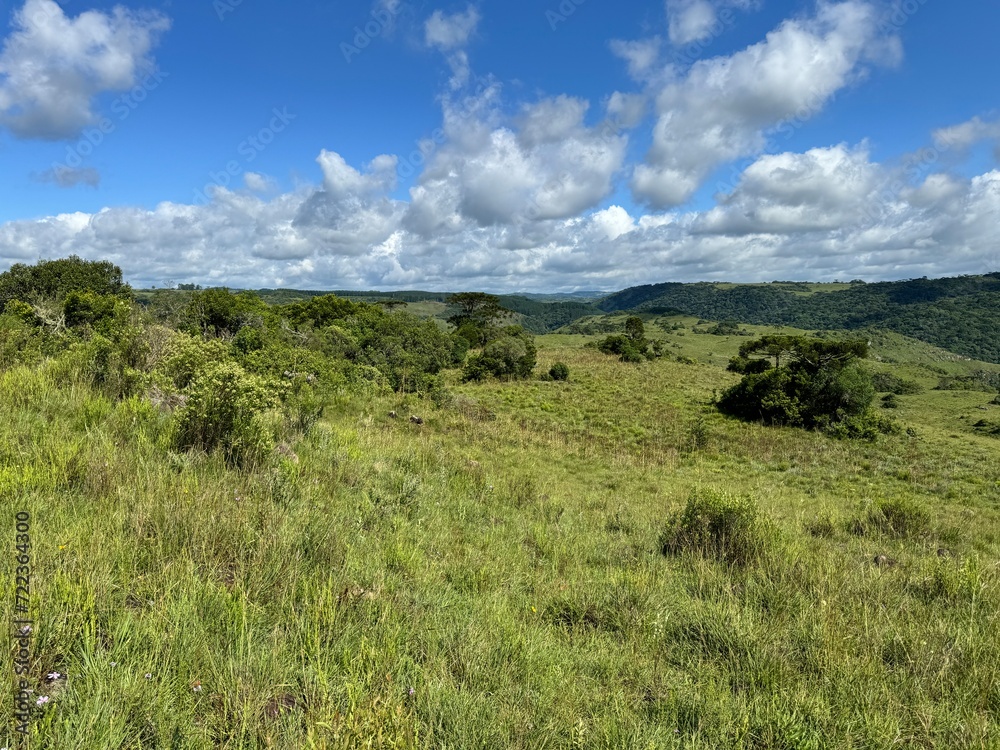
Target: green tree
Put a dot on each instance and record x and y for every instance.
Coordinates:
(54, 279)
(478, 314)
(813, 383)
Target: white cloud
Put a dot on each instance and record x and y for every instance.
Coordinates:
(52, 66)
(690, 20)
(641, 55)
(450, 33)
(258, 183)
(822, 189)
(720, 109)
(967, 134)
(490, 172)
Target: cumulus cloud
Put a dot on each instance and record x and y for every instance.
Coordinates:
(546, 165)
(822, 189)
(53, 66)
(720, 109)
(798, 215)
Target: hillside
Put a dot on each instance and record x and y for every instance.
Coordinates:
(959, 314)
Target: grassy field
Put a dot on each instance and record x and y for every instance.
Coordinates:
(495, 577)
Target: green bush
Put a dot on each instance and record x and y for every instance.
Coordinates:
(886, 382)
(186, 356)
(225, 411)
(105, 365)
(890, 401)
(511, 356)
(559, 371)
(719, 526)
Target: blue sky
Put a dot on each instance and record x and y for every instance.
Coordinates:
(515, 145)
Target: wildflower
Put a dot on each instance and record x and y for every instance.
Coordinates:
(62, 546)
(533, 609)
(411, 692)
(196, 686)
(42, 700)
(53, 675)
(114, 664)
(149, 676)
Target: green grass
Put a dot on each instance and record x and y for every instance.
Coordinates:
(504, 562)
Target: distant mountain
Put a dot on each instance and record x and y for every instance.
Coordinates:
(961, 314)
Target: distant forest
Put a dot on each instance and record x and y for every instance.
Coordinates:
(960, 314)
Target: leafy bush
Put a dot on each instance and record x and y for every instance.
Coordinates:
(512, 356)
(897, 517)
(623, 347)
(104, 365)
(717, 525)
(219, 312)
(890, 401)
(886, 382)
(559, 371)
(186, 356)
(224, 410)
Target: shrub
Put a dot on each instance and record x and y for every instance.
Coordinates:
(889, 401)
(624, 347)
(224, 410)
(886, 382)
(559, 371)
(186, 356)
(896, 517)
(720, 526)
(509, 357)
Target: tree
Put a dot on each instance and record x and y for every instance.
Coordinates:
(510, 356)
(634, 329)
(54, 279)
(813, 383)
(478, 314)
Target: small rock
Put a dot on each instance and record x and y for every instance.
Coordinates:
(944, 552)
(884, 561)
(416, 420)
(393, 415)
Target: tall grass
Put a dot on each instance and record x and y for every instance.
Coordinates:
(494, 578)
